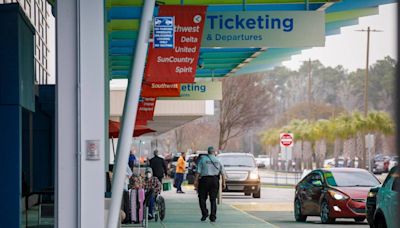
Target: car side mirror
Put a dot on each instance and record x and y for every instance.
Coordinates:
(316, 183)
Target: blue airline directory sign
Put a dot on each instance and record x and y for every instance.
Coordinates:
(164, 31)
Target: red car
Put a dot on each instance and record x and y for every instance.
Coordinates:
(333, 193)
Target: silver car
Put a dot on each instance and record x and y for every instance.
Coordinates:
(241, 173)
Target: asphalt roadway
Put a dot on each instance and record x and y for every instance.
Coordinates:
(276, 207)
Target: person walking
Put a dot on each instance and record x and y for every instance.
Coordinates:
(179, 172)
(158, 166)
(208, 172)
(132, 160)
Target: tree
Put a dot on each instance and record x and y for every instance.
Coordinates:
(247, 101)
(322, 133)
(295, 127)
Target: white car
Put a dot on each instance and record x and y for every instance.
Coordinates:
(393, 162)
(329, 163)
(263, 162)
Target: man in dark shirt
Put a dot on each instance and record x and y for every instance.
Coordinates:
(158, 166)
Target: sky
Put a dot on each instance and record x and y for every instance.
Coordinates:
(349, 47)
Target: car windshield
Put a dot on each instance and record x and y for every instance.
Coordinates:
(232, 160)
(350, 179)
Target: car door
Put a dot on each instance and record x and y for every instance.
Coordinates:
(315, 192)
(312, 193)
(303, 196)
(393, 202)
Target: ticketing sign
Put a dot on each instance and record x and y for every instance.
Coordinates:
(274, 29)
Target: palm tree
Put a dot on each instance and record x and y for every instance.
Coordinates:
(346, 131)
(360, 125)
(379, 123)
(295, 126)
(308, 137)
(322, 133)
(335, 137)
(270, 139)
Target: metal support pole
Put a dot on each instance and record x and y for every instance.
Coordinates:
(309, 91)
(369, 159)
(369, 30)
(366, 76)
(219, 199)
(140, 156)
(364, 155)
(129, 116)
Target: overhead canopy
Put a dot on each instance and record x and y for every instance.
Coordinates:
(123, 17)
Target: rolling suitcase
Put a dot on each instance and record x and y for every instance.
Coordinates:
(137, 197)
(126, 205)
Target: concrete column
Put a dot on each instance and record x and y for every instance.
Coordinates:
(66, 183)
(92, 108)
(80, 114)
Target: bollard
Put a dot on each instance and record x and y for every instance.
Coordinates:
(219, 199)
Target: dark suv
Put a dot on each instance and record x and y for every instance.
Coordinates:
(241, 173)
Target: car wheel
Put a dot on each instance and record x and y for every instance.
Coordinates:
(380, 222)
(297, 212)
(359, 219)
(325, 219)
(247, 193)
(257, 194)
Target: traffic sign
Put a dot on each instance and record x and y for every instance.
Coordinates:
(286, 139)
(164, 32)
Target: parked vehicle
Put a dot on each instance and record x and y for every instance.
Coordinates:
(241, 173)
(263, 162)
(259, 163)
(383, 202)
(381, 164)
(394, 161)
(340, 162)
(329, 163)
(192, 162)
(333, 193)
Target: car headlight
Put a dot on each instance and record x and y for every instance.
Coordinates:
(337, 195)
(371, 194)
(253, 175)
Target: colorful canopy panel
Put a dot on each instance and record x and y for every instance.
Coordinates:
(123, 20)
